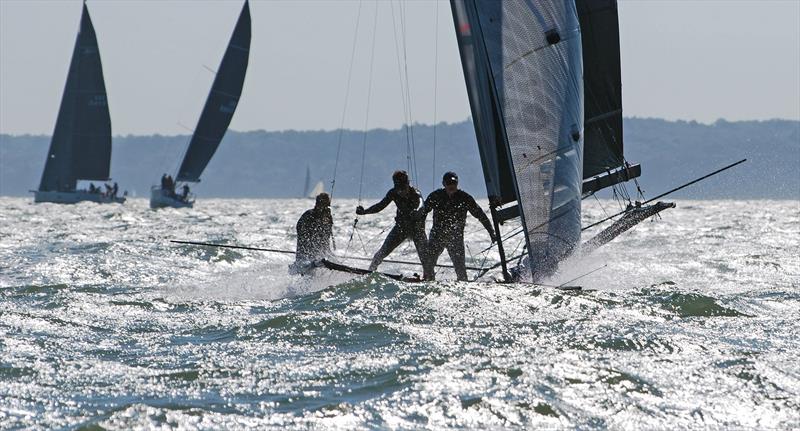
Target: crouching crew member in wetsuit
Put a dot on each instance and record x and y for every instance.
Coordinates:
(406, 198)
(450, 206)
(314, 232)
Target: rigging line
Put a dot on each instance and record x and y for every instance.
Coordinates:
(352, 234)
(533, 229)
(178, 163)
(361, 240)
(435, 88)
(374, 237)
(584, 275)
(405, 95)
(524, 253)
(275, 250)
(369, 100)
(471, 256)
(346, 99)
(639, 190)
(601, 204)
(183, 109)
(408, 89)
(366, 125)
(406, 118)
(175, 164)
(516, 247)
(669, 192)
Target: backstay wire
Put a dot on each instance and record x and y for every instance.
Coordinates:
(410, 126)
(402, 89)
(405, 93)
(405, 89)
(365, 133)
(346, 99)
(408, 93)
(435, 88)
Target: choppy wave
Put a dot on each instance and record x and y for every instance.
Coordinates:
(104, 324)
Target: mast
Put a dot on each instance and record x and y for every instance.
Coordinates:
(522, 64)
(221, 102)
(81, 144)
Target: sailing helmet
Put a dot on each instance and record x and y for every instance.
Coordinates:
(323, 200)
(450, 178)
(400, 178)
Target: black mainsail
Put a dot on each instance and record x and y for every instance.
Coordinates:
(81, 143)
(486, 119)
(522, 65)
(221, 103)
(603, 160)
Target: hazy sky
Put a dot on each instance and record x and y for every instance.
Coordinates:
(694, 60)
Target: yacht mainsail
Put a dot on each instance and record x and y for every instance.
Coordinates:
(221, 102)
(603, 162)
(522, 64)
(81, 143)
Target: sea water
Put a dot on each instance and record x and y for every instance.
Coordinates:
(692, 320)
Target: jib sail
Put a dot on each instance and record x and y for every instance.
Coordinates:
(221, 103)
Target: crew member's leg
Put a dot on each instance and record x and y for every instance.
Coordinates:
(421, 244)
(394, 239)
(455, 248)
(435, 248)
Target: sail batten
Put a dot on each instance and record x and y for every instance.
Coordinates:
(221, 103)
(81, 144)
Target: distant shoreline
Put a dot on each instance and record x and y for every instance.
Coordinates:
(259, 164)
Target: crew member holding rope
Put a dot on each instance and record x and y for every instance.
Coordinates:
(406, 198)
(450, 206)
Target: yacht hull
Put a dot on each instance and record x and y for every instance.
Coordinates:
(74, 197)
(160, 198)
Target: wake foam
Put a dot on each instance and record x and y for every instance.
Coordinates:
(259, 282)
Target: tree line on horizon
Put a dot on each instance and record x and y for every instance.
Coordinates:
(262, 164)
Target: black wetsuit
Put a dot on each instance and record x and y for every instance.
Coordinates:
(406, 226)
(449, 219)
(314, 231)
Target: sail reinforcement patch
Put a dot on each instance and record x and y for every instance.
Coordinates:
(552, 36)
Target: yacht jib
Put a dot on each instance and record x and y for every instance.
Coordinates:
(213, 122)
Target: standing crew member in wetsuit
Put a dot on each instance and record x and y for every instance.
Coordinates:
(406, 199)
(450, 206)
(314, 232)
